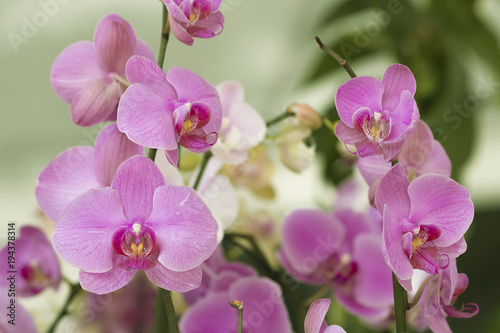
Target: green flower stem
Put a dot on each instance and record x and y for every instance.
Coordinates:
(335, 56)
(400, 305)
(279, 118)
(204, 162)
(170, 325)
(164, 302)
(152, 153)
(165, 34)
(240, 320)
(74, 289)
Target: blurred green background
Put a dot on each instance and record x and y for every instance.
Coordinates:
(452, 47)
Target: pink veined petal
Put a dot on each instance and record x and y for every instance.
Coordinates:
(136, 181)
(393, 192)
(373, 168)
(262, 298)
(73, 69)
(395, 257)
(64, 179)
(176, 12)
(440, 201)
(397, 78)
(391, 150)
(208, 27)
(146, 72)
(211, 314)
(186, 230)
(112, 148)
(468, 310)
(417, 147)
(96, 102)
(216, 4)
(145, 118)
(437, 162)
(310, 236)
(142, 49)
(179, 115)
(191, 87)
(115, 43)
(179, 31)
(349, 135)
(173, 157)
(230, 92)
(175, 281)
(404, 118)
(83, 235)
(315, 315)
(373, 286)
(359, 92)
(106, 282)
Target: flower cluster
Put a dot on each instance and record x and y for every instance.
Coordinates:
(118, 212)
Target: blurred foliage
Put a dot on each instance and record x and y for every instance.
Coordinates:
(434, 40)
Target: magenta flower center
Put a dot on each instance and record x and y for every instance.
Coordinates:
(423, 234)
(340, 268)
(376, 128)
(35, 276)
(134, 244)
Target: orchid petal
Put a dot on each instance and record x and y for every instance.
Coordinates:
(146, 119)
(112, 148)
(106, 282)
(83, 235)
(440, 201)
(115, 42)
(64, 179)
(397, 78)
(136, 181)
(185, 227)
(175, 281)
(359, 92)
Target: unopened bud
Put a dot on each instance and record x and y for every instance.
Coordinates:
(306, 115)
(236, 304)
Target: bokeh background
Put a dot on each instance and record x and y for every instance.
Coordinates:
(452, 47)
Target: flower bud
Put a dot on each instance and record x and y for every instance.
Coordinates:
(292, 150)
(306, 115)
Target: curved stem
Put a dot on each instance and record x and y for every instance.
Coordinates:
(279, 118)
(74, 289)
(400, 305)
(204, 162)
(170, 324)
(335, 56)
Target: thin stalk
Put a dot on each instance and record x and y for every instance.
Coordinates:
(240, 320)
(204, 162)
(165, 34)
(166, 295)
(335, 56)
(75, 288)
(279, 118)
(400, 305)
